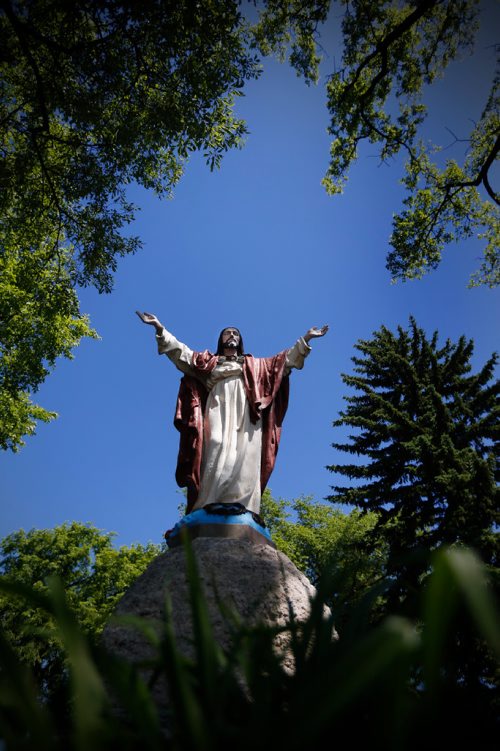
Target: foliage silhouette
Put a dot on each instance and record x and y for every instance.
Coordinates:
(363, 684)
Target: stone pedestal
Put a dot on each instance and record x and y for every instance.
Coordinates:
(256, 580)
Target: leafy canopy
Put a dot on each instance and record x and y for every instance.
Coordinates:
(93, 572)
(391, 53)
(322, 541)
(95, 96)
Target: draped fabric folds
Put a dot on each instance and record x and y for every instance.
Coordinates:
(266, 386)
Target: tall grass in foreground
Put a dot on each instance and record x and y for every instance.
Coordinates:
(388, 686)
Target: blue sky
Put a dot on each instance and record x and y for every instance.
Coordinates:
(261, 246)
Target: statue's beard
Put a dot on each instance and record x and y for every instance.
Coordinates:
(231, 344)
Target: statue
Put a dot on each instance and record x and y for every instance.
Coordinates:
(230, 410)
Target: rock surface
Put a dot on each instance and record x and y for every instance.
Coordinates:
(258, 581)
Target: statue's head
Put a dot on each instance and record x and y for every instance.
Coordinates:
(230, 338)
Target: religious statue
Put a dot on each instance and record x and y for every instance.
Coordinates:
(230, 410)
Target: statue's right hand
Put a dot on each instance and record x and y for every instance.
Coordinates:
(150, 319)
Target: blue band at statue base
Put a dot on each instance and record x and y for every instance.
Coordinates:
(203, 518)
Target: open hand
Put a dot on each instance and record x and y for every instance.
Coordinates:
(315, 332)
(150, 319)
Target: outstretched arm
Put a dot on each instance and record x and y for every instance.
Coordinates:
(315, 332)
(297, 354)
(180, 354)
(151, 320)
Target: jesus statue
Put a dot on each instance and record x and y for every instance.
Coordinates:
(230, 409)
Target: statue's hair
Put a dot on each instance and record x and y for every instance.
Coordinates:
(220, 346)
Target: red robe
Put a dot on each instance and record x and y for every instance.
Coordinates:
(266, 388)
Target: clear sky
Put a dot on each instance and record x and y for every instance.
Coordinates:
(258, 245)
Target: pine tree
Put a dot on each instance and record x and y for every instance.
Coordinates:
(428, 429)
(426, 434)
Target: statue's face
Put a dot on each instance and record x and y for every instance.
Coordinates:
(231, 338)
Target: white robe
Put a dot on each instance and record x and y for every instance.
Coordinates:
(232, 444)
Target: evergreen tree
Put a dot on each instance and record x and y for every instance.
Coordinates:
(428, 429)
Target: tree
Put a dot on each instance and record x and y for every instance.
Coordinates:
(426, 434)
(325, 541)
(94, 574)
(39, 321)
(392, 51)
(95, 96)
(428, 431)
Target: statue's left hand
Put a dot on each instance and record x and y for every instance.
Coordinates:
(314, 332)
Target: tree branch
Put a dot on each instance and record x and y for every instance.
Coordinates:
(482, 176)
(383, 46)
(404, 144)
(489, 189)
(18, 28)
